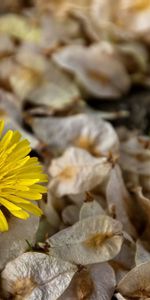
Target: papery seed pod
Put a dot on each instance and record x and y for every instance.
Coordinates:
(36, 276)
(87, 131)
(76, 171)
(91, 240)
(98, 69)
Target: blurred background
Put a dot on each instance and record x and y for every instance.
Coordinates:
(61, 57)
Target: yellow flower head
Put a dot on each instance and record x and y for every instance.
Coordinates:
(20, 176)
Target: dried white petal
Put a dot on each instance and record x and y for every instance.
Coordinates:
(135, 160)
(90, 209)
(91, 240)
(98, 68)
(118, 196)
(70, 214)
(87, 131)
(125, 260)
(49, 211)
(141, 212)
(52, 96)
(37, 276)
(76, 171)
(142, 255)
(95, 282)
(136, 283)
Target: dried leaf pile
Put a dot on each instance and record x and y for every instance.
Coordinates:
(93, 239)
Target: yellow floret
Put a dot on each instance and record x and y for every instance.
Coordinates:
(20, 178)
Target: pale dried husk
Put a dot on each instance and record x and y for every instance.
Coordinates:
(54, 98)
(119, 199)
(125, 260)
(95, 282)
(70, 214)
(7, 46)
(87, 131)
(90, 209)
(56, 31)
(142, 254)
(23, 80)
(76, 171)
(91, 240)
(36, 276)
(135, 161)
(50, 211)
(136, 283)
(98, 68)
(140, 211)
(10, 107)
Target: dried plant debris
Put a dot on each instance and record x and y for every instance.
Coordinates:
(90, 209)
(77, 171)
(91, 240)
(97, 68)
(94, 282)
(37, 276)
(136, 283)
(118, 198)
(142, 253)
(135, 161)
(87, 131)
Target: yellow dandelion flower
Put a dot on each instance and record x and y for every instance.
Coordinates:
(20, 176)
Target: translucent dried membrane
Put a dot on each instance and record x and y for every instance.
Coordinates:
(23, 80)
(98, 68)
(95, 282)
(125, 260)
(51, 96)
(70, 214)
(140, 212)
(142, 254)
(119, 198)
(90, 209)
(136, 283)
(49, 211)
(91, 240)
(87, 131)
(37, 276)
(77, 171)
(135, 161)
